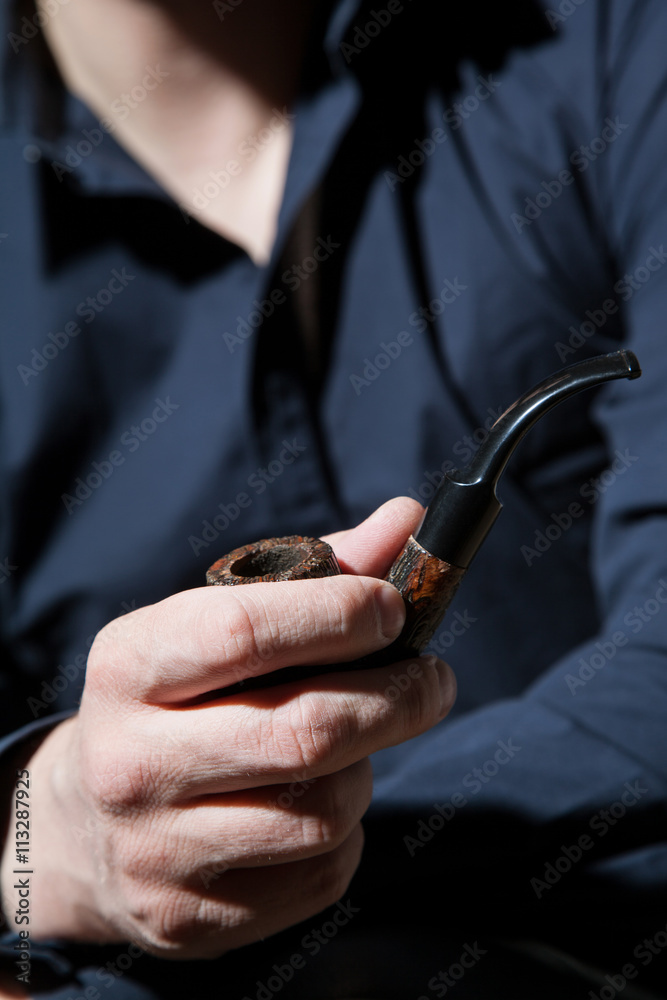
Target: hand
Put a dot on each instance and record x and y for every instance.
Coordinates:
(192, 823)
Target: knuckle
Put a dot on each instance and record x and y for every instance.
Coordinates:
(123, 633)
(418, 712)
(312, 731)
(421, 701)
(330, 823)
(332, 877)
(237, 625)
(313, 743)
(122, 659)
(163, 917)
(338, 607)
(174, 920)
(349, 607)
(176, 923)
(104, 658)
(292, 747)
(119, 783)
(335, 610)
(154, 903)
(247, 630)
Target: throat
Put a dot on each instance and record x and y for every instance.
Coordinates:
(215, 129)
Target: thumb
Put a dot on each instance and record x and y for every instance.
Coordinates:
(371, 547)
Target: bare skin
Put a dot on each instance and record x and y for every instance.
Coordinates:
(161, 817)
(218, 96)
(159, 814)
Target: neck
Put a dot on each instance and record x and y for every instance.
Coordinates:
(212, 115)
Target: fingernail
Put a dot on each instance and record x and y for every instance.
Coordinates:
(447, 686)
(391, 610)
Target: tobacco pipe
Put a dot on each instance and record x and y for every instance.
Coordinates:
(432, 564)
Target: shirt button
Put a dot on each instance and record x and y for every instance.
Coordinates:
(32, 154)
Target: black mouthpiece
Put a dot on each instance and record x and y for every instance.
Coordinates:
(465, 505)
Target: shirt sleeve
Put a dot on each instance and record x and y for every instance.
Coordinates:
(616, 687)
(17, 747)
(590, 735)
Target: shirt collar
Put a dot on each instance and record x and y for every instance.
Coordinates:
(54, 125)
(58, 128)
(339, 22)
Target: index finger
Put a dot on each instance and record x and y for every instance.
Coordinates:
(202, 640)
(371, 547)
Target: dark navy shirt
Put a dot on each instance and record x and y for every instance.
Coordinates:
(473, 200)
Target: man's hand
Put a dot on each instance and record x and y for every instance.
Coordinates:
(193, 823)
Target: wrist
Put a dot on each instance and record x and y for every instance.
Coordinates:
(51, 892)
